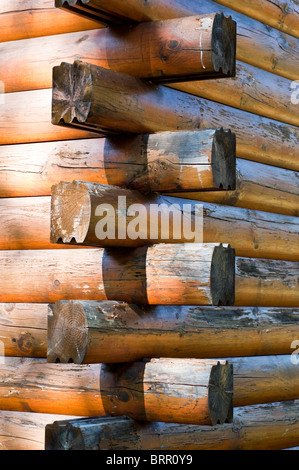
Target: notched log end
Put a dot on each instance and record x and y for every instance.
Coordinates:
(224, 160)
(70, 212)
(67, 333)
(220, 394)
(223, 276)
(224, 44)
(71, 95)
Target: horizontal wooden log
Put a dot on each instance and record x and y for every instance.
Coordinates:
(111, 101)
(163, 51)
(26, 117)
(89, 214)
(167, 161)
(184, 274)
(190, 391)
(253, 89)
(261, 427)
(265, 379)
(25, 431)
(83, 332)
(271, 283)
(31, 19)
(260, 48)
(253, 234)
(23, 330)
(259, 187)
(282, 15)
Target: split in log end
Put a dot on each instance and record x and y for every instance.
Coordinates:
(224, 160)
(67, 333)
(71, 96)
(84, 9)
(224, 41)
(221, 394)
(70, 212)
(223, 276)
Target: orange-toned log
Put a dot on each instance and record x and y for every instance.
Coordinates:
(259, 187)
(26, 117)
(257, 44)
(272, 426)
(280, 14)
(23, 329)
(265, 379)
(197, 47)
(270, 283)
(26, 224)
(86, 332)
(252, 89)
(116, 102)
(166, 161)
(31, 19)
(25, 430)
(191, 391)
(184, 274)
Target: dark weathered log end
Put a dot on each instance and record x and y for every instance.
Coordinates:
(221, 394)
(71, 95)
(224, 160)
(224, 41)
(91, 10)
(223, 276)
(67, 333)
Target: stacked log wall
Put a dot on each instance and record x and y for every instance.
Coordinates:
(259, 218)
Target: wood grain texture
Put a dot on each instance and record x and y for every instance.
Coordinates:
(23, 329)
(257, 44)
(111, 101)
(26, 117)
(253, 234)
(260, 187)
(21, 19)
(282, 15)
(25, 430)
(27, 66)
(166, 161)
(267, 283)
(83, 331)
(259, 427)
(174, 390)
(265, 379)
(184, 274)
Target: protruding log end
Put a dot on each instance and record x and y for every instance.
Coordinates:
(71, 95)
(70, 212)
(224, 45)
(223, 276)
(224, 160)
(221, 394)
(67, 333)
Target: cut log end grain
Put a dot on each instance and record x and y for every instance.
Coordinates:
(221, 394)
(223, 276)
(68, 333)
(224, 45)
(72, 86)
(224, 159)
